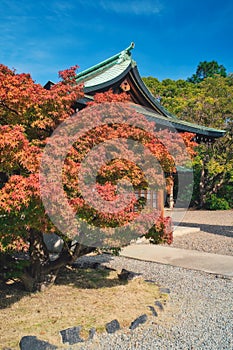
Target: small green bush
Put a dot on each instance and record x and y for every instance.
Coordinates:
(226, 193)
(216, 203)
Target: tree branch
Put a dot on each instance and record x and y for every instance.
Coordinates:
(67, 257)
(9, 108)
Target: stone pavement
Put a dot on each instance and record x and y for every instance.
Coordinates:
(189, 259)
(183, 230)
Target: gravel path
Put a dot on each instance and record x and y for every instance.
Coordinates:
(199, 315)
(216, 234)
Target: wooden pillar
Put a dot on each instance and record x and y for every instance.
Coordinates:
(160, 202)
(171, 199)
(169, 191)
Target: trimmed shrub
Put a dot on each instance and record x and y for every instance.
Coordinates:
(216, 203)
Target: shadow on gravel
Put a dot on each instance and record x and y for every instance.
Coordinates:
(214, 229)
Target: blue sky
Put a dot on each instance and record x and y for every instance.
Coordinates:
(171, 36)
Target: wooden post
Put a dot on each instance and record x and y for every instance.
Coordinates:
(160, 202)
(171, 199)
(169, 191)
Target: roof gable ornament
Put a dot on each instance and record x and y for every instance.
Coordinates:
(121, 57)
(125, 54)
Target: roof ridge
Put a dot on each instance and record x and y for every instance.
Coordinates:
(121, 56)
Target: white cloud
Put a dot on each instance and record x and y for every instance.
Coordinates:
(62, 8)
(134, 7)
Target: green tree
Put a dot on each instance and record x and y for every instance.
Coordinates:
(214, 165)
(208, 103)
(207, 69)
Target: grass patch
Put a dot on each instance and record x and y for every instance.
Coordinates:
(86, 297)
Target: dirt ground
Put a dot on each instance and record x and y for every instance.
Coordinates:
(80, 297)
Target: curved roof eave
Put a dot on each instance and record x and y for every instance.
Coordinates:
(178, 124)
(148, 95)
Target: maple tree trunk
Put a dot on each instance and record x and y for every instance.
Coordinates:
(34, 278)
(42, 272)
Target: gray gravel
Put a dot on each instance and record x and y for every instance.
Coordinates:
(199, 315)
(216, 234)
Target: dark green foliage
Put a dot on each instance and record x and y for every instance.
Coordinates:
(208, 102)
(226, 192)
(216, 203)
(207, 69)
(10, 267)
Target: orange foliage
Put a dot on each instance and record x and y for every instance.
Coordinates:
(28, 115)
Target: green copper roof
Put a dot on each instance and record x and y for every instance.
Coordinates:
(108, 74)
(178, 123)
(115, 67)
(106, 70)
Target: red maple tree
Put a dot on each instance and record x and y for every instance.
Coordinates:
(29, 114)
